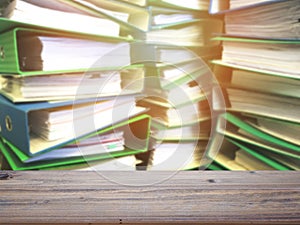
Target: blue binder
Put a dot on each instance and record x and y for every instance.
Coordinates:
(136, 141)
(15, 127)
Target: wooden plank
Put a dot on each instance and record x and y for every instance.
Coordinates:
(186, 197)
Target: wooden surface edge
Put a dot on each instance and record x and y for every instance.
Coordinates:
(140, 197)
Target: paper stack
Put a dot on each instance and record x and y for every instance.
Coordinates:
(68, 87)
(259, 73)
(176, 52)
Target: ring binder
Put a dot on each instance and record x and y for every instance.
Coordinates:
(139, 126)
(17, 128)
(244, 132)
(30, 50)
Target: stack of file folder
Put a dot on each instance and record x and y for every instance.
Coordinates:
(80, 94)
(259, 74)
(176, 52)
(68, 98)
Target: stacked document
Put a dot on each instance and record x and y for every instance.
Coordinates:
(236, 4)
(176, 52)
(176, 156)
(278, 55)
(33, 51)
(67, 86)
(30, 12)
(105, 17)
(91, 146)
(278, 20)
(69, 89)
(258, 73)
(181, 116)
(263, 139)
(189, 33)
(66, 132)
(182, 24)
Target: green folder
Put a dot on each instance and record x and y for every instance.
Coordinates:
(230, 76)
(16, 164)
(12, 60)
(252, 69)
(259, 156)
(226, 147)
(256, 137)
(136, 141)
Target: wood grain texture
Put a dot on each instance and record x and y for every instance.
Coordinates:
(202, 197)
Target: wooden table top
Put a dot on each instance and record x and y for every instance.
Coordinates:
(140, 197)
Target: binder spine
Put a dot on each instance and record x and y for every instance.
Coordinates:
(9, 62)
(29, 51)
(14, 127)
